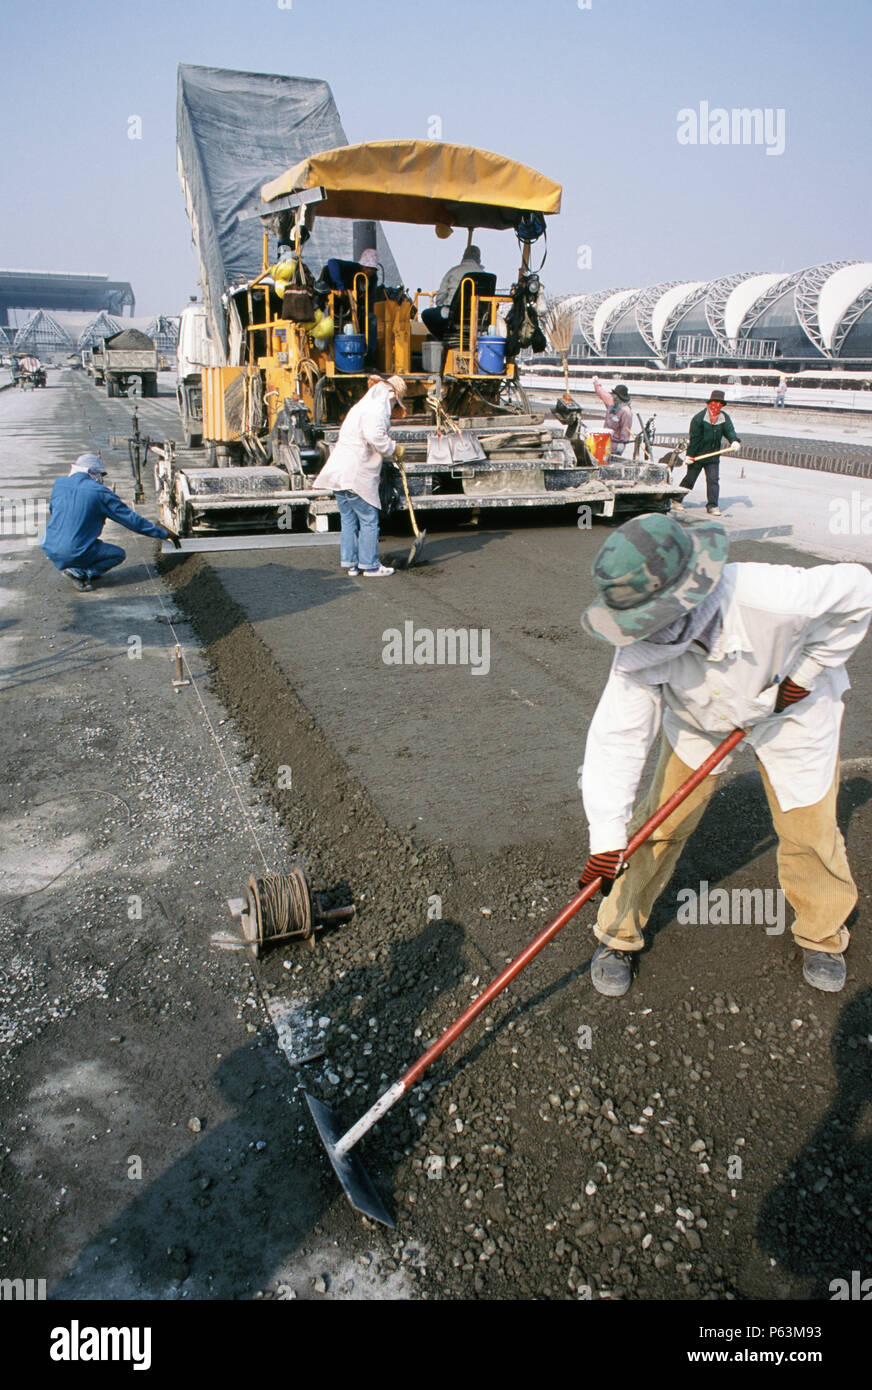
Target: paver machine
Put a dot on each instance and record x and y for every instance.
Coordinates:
(303, 339)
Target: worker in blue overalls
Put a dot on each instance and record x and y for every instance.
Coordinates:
(79, 507)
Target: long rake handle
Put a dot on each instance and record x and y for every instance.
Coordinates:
(716, 455)
(399, 1088)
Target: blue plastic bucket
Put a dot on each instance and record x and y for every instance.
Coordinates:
(492, 354)
(349, 350)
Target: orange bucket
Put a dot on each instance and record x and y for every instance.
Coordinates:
(599, 445)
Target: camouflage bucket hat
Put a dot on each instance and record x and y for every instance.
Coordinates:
(650, 572)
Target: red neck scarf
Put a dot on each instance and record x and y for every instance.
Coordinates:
(714, 410)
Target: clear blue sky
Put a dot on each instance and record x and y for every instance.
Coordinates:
(589, 96)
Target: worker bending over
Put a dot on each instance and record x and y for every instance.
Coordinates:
(708, 647)
(353, 471)
(79, 507)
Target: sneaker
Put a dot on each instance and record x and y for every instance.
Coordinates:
(823, 970)
(78, 578)
(352, 571)
(611, 972)
(713, 511)
(676, 506)
(377, 574)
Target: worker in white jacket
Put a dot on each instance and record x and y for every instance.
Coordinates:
(353, 470)
(706, 647)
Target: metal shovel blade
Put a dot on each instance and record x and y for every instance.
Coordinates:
(402, 561)
(348, 1168)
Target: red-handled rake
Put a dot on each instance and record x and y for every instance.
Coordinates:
(346, 1164)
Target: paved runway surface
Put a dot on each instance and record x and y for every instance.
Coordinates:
(538, 1160)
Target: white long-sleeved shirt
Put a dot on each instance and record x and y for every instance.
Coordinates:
(777, 621)
(356, 460)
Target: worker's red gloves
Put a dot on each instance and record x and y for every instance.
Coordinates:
(788, 694)
(606, 866)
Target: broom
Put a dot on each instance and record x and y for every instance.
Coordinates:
(558, 322)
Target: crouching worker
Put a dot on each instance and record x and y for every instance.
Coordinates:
(353, 471)
(709, 647)
(79, 507)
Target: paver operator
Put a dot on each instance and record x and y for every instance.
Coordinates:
(708, 647)
(79, 507)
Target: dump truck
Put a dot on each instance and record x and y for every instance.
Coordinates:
(300, 334)
(28, 371)
(125, 362)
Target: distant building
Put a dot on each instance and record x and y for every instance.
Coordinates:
(54, 336)
(819, 315)
(50, 289)
(43, 336)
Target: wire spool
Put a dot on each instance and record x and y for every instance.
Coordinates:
(279, 909)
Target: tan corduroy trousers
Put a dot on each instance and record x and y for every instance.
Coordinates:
(812, 863)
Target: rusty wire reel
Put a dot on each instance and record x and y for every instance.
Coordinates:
(281, 907)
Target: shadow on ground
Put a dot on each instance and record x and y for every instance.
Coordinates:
(220, 1221)
(817, 1222)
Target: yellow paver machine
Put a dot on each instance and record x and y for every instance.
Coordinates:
(304, 343)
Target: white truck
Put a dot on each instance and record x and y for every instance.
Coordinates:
(195, 351)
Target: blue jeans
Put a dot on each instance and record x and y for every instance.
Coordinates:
(358, 544)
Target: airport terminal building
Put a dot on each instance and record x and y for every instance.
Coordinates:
(817, 317)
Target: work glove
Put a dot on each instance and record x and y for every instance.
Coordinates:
(606, 866)
(734, 447)
(174, 537)
(399, 453)
(788, 694)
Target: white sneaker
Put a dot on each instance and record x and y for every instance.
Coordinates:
(352, 571)
(377, 574)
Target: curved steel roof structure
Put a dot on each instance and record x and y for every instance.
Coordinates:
(822, 311)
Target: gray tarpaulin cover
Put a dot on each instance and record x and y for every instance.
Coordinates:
(234, 131)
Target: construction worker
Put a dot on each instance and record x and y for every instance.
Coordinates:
(353, 471)
(79, 507)
(619, 415)
(437, 318)
(708, 430)
(709, 647)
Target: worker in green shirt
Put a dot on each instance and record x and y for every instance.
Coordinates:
(708, 429)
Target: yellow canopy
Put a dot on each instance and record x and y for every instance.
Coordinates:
(422, 181)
